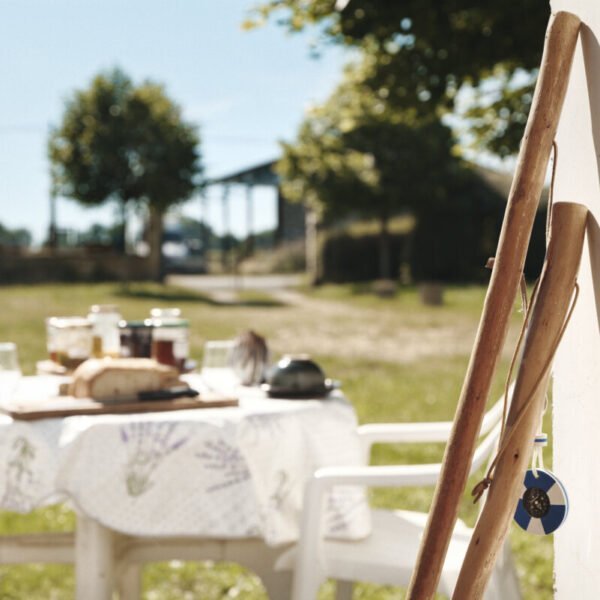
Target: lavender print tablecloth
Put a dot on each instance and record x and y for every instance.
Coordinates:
(233, 472)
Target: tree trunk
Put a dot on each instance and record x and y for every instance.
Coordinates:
(313, 251)
(155, 234)
(551, 87)
(53, 230)
(384, 249)
(122, 242)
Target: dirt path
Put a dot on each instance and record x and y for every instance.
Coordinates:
(336, 328)
(306, 324)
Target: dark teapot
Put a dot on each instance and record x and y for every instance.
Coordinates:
(297, 377)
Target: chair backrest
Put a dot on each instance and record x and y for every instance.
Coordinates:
(486, 447)
(492, 426)
(434, 431)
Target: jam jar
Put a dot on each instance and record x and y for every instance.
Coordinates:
(105, 320)
(69, 340)
(136, 338)
(171, 341)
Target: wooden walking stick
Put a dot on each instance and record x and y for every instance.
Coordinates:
(549, 312)
(523, 199)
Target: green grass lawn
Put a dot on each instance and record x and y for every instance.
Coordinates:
(384, 382)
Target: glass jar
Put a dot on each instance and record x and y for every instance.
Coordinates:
(105, 330)
(136, 338)
(69, 340)
(51, 335)
(171, 341)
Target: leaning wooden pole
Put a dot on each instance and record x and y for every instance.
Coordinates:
(561, 38)
(548, 315)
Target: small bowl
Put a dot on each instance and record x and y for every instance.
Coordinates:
(297, 377)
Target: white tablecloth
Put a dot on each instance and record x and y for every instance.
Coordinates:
(229, 472)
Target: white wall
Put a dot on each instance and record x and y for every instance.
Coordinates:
(577, 366)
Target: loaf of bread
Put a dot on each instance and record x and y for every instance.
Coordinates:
(108, 379)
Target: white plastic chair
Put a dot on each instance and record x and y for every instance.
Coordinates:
(388, 555)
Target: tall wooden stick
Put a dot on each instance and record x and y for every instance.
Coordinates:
(523, 199)
(547, 318)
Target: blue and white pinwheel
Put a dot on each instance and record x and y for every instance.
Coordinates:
(543, 505)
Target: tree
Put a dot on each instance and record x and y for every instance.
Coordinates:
(353, 155)
(127, 144)
(419, 53)
(20, 237)
(357, 155)
(98, 234)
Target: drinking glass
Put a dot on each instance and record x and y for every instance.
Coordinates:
(10, 372)
(217, 354)
(217, 374)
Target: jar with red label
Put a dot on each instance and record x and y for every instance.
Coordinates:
(171, 341)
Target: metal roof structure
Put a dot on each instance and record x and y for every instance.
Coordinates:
(290, 216)
(261, 174)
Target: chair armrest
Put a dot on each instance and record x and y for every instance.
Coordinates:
(400, 433)
(375, 476)
(370, 476)
(396, 476)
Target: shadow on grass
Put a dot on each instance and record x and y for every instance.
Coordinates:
(264, 301)
(361, 289)
(161, 293)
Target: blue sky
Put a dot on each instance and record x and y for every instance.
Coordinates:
(246, 90)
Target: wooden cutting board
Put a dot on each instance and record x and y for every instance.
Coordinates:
(68, 406)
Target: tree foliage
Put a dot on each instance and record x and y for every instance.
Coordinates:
(357, 155)
(99, 234)
(353, 154)
(419, 53)
(19, 237)
(124, 143)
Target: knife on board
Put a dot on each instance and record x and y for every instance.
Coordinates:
(168, 394)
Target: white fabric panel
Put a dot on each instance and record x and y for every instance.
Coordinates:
(577, 366)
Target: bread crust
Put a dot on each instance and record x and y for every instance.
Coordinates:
(112, 379)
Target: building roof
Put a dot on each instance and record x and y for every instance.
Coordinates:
(261, 174)
(264, 174)
(501, 181)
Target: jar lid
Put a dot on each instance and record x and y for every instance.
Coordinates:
(159, 313)
(171, 322)
(138, 324)
(69, 322)
(104, 308)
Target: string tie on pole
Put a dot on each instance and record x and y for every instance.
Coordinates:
(537, 458)
(480, 488)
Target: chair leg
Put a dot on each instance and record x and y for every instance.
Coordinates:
(504, 583)
(305, 588)
(129, 582)
(277, 584)
(343, 590)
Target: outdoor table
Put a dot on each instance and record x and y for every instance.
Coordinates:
(220, 473)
